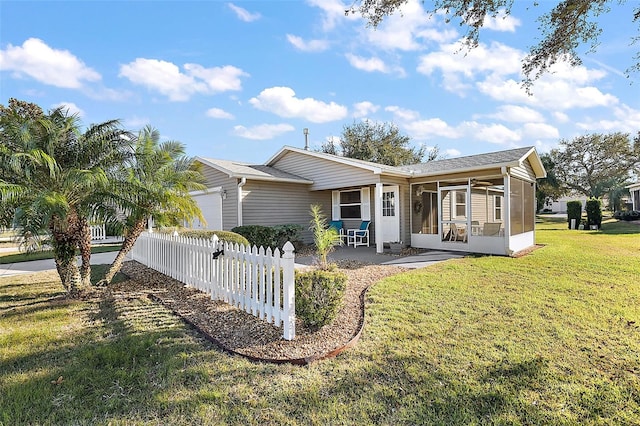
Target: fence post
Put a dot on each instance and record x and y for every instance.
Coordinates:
(289, 292)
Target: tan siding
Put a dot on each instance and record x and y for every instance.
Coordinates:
(215, 178)
(324, 173)
(524, 172)
(272, 203)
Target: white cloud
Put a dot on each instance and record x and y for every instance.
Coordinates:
(369, 65)
(433, 127)
(262, 131)
(166, 78)
(561, 117)
(363, 109)
(282, 101)
(308, 46)
(502, 22)
(408, 28)
(626, 119)
(496, 59)
(37, 60)
(374, 64)
(219, 113)
(452, 152)
(243, 14)
(516, 114)
(493, 133)
(334, 11)
(136, 122)
(403, 113)
(71, 108)
(540, 131)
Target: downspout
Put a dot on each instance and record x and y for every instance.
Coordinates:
(240, 185)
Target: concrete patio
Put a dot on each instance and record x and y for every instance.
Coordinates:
(369, 255)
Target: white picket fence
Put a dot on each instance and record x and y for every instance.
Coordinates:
(98, 232)
(257, 281)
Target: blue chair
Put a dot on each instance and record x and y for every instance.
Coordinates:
(359, 237)
(339, 227)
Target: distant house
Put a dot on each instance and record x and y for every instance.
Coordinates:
(482, 203)
(560, 205)
(634, 190)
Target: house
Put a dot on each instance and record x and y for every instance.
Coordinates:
(634, 190)
(481, 203)
(560, 205)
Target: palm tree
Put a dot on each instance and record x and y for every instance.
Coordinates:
(156, 185)
(56, 170)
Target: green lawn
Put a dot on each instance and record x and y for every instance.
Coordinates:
(549, 338)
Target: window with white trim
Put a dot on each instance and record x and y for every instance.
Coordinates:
(461, 204)
(350, 204)
(388, 204)
(497, 208)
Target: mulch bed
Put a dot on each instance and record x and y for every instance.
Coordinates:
(239, 332)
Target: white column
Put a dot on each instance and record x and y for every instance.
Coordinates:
(507, 213)
(378, 217)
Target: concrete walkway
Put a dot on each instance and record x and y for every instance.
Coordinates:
(48, 264)
(360, 254)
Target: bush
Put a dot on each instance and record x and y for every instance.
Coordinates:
(290, 232)
(594, 212)
(229, 237)
(270, 236)
(574, 211)
(629, 215)
(319, 296)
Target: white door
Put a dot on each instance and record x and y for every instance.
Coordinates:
(390, 214)
(211, 205)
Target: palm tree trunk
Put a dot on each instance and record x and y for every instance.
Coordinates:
(65, 240)
(127, 245)
(84, 244)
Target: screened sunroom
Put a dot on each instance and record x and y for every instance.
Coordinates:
(487, 211)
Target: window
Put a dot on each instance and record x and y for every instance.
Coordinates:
(461, 204)
(497, 212)
(388, 204)
(350, 204)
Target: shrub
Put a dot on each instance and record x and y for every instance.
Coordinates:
(319, 295)
(230, 237)
(629, 215)
(289, 232)
(258, 235)
(594, 212)
(574, 211)
(270, 236)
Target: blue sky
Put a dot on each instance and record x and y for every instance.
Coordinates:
(238, 80)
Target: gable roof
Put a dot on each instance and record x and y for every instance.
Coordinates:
(376, 168)
(237, 169)
(509, 158)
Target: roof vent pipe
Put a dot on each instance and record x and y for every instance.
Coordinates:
(306, 138)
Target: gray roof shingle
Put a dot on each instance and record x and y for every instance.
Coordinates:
(255, 171)
(469, 162)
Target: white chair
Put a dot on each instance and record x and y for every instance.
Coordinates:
(457, 233)
(359, 237)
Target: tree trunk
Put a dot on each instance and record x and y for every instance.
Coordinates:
(127, 245)
(65, 241)
(84, 244)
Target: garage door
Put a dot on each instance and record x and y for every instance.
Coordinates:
(211, 205)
